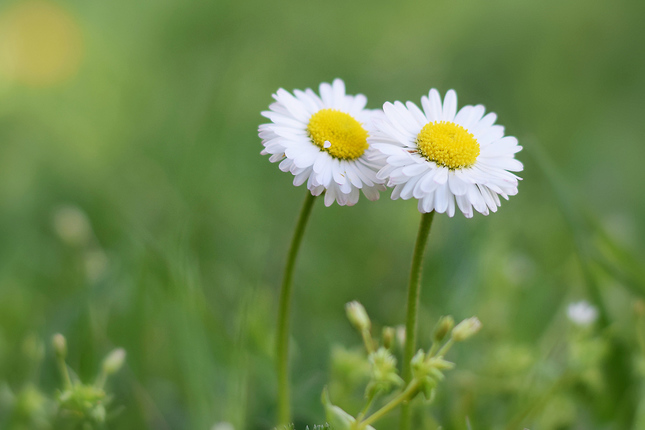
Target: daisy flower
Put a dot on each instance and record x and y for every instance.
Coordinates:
(582, 313)
(442, 157)
(322, 140)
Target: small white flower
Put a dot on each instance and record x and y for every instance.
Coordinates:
(322, 140)
(582, 313)
(440, 156)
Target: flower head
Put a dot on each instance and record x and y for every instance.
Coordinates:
(582, 313)
(322, 140)
(442, 157)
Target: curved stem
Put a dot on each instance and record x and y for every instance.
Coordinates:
(408, 394)
(284, 313)
(414, 292)
(444, 350)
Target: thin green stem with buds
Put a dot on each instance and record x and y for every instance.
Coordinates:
(284, 313)
(414, 292)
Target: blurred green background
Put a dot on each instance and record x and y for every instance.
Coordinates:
(136, 210)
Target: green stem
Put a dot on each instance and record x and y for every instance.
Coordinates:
(414, 292)
(100, 380)
(284, 312)
(408, 394)
(433, 349)
(62, 367)
(444, 350)
(368, 341)
(366, 409)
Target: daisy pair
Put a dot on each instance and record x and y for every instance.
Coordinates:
(444, 157)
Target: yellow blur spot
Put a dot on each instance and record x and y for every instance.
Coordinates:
(40, 43)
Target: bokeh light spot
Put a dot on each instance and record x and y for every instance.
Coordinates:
(40, 43)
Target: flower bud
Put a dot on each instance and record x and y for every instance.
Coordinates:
(389, 334)
(400, 334)
(443, 327)
(384, 375)
(429, 371)
(466, 329)
(60, 346)
(358, 316)
(114, 361)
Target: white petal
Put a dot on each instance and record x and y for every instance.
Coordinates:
(327, 95)
(474, 116)
(371, 193)
(415, 169)
(457, 186)
(293, 105)
(441, 196)
(418, 115)
(449, 106)
(432, 106)
(338, 87)
(483, 124)
(441, 177)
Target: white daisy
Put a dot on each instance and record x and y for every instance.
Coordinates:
(323, 141)
(582, 313)
(438, 155)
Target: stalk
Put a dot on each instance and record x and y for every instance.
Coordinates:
(284, 313)
(414, 293)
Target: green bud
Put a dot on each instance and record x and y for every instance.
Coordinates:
(384, 375)
(85, 401)
(60, 346)
(443, 327)
(389, 334)
(400, 334)
(114, 361)
(429, 371)
(466, 329)
(358, 316)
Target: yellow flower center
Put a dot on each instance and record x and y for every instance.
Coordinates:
(448, 144)
(338, 133)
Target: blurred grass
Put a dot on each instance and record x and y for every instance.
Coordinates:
(154, 138)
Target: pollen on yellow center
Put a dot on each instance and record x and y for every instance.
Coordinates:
(338, 133)
(448, 144)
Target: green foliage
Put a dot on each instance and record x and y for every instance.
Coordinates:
(137, 211)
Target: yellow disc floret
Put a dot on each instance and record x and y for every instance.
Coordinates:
(448, 144)
(338, 133)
